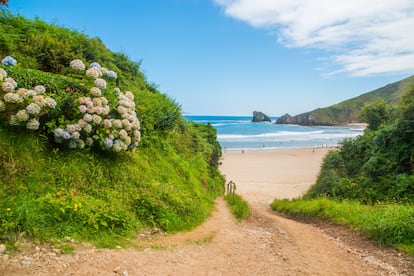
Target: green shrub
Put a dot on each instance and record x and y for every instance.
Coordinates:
(385, 223)
(238, 206)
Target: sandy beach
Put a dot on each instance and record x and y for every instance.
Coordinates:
(264, 176)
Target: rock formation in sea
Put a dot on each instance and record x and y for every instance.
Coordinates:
(260, 117)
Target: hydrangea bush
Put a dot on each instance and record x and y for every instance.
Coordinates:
(90, 122)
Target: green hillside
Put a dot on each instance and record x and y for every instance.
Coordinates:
(349, 111)
(88, 148)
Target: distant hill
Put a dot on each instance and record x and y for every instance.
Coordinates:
(348, 111)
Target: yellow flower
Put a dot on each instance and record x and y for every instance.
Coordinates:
(8, 209)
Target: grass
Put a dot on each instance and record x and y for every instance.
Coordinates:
(238, 206)
(104, 199)
(390, 224)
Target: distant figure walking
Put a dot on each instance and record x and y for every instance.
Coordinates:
(242, 151)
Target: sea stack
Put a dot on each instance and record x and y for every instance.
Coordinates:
(260, 117)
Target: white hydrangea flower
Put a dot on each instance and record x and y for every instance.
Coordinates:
(87, 128)
(82, 108)
(31, 93)
(33, 124)
(50, 102)
(117, 123)
(94, 72)
(3, 74)
(22, 92)
(39, 89)
(129, 95)
(12, 81)
(100, 83)
(77, 64)
(87, 117)
(33, 109)
(95, 91)
(7, 87)
(12, 98)
(22, 115)
(96, 119)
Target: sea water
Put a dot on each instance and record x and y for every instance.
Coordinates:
(237, 133)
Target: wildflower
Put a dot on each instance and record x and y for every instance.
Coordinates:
(82, 108)
(9, 61)
(12, 98)
(77, 64)
(22, 115)
(108, 143)
(95, 91)
(112, 74)
(40, 89)
(51, 103)
(95, 64)
(2, 106)
(100, 83)
(68, 89)
(33, 124)
(33, 109)
(94, 72)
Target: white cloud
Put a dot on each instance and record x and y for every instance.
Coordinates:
(363, 37)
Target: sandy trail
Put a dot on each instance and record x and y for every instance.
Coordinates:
(264, 244)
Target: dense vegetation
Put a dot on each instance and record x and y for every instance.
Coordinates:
(349, 111)
(50, 191)
(375, 169)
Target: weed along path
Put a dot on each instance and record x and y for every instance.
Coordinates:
(264, 244)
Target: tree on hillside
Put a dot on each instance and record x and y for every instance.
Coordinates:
(375, 114)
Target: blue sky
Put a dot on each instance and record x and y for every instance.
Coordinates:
(231, 57)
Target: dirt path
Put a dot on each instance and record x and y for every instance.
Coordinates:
(264, 244)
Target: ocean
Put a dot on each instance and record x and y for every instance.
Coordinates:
(237, 133)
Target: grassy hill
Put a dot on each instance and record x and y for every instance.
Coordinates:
(349, 111)
(89, 157)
